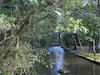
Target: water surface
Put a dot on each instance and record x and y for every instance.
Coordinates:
(76, 65)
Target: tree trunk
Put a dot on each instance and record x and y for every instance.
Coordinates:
(1, 1)
(90, 44)
(0, 9)
(80, 42)
(12, 32)
(66, 43)
(94, 51)
(99, 46)
(18, 22)
(17, 41)
(59, 38)
(98, 6)
(5, 35)
(76, 45)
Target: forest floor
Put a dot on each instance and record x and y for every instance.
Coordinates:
(88, 56)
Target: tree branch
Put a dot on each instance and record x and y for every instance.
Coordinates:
(24, 26)
(26, 21)
(6, 39)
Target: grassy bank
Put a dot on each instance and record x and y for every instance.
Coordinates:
(93, 58)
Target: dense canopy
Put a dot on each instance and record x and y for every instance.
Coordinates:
(29, 27)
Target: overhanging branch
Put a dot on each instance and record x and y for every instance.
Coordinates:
(25, 25)
(26, 20)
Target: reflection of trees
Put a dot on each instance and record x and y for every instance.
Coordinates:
(79, 66)
(94, 70)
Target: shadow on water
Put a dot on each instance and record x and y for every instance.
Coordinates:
(76, 65)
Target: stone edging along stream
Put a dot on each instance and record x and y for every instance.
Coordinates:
(82, 56)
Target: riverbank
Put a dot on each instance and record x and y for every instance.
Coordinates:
(22, 60)
(93, 58)
(88, 56)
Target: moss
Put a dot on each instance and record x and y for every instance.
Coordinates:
(64, 70)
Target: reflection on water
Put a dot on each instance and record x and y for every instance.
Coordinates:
(81, 66)
(76, 65)
(59, 56)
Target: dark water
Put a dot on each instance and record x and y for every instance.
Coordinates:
(79, 66)
(76, 65)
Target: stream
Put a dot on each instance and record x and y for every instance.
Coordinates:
(76, 65)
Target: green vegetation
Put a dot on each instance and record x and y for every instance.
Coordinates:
(29, 27)
(93, 58)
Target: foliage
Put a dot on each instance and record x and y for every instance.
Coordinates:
(6, 23)
(27, 19)
(19, 61)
